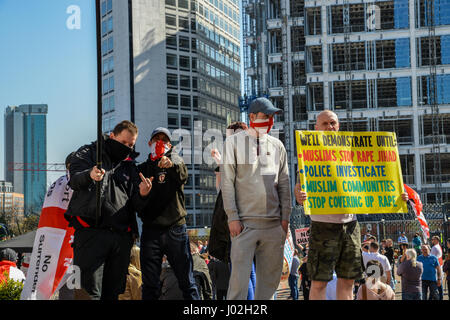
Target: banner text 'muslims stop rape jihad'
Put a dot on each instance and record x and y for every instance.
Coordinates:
(350, 172)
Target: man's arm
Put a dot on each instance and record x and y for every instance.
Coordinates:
(300, 196)
(284, 189)
(445, 267)
(176, 168)
(400, 267)
(142, 185)
(439, 275)
(81, 166)
(388, 277)
(228, 179)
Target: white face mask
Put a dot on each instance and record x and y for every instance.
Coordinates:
(262, 129)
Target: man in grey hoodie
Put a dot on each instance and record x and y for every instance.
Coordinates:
(257, 201)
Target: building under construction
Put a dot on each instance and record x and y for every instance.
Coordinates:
(380, 65)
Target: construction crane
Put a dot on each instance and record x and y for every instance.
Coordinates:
(49, 167)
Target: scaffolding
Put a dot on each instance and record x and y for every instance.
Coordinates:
(348, 66)
(286, 85)
(436, 150)
(251, 49)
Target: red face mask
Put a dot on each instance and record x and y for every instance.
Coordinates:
(157, 150)
(261, 124)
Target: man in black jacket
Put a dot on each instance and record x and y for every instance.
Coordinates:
(102, 244)
(164, 220)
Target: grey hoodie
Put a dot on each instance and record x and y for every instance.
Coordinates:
(255, 188)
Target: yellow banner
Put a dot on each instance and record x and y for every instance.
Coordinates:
(350, 172)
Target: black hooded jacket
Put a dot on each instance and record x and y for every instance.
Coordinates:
(120, 198)
(166, 206)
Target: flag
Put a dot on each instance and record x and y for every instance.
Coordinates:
(287, 261)
(417, 208)
(52, 252)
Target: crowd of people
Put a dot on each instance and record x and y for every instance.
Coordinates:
(244, 259)
(421, 271)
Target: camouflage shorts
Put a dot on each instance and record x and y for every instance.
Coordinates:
(335, 247)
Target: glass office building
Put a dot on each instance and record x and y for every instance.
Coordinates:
(174, 63)
(26, 145)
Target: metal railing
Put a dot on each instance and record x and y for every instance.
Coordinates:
(387, 102)
(356, 104)
(442, 139)
(432, 179)
(409, 179)
(405, 140)
(360, 65)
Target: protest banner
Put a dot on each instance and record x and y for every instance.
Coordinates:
(52, 252)
(287, 261)
(302, 236)
(350, 172)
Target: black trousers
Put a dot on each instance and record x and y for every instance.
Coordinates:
(103, 257)
(221, 294)
(174, 243)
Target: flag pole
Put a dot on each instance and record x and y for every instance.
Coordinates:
(99, 105)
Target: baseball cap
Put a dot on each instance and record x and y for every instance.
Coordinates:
(263, 105)
(163, 130)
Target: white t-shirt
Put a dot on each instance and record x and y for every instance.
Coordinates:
(367, 256)
(16, 274)
(436, 251)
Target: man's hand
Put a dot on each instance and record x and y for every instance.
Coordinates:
(285, 225)
(97, 174)
(165, 163)
(215, 154)
(300, 195)
(145, 186)
(405, 196)
(235, 228)
(439, 282)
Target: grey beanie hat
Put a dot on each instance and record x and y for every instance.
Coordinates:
(8, 254)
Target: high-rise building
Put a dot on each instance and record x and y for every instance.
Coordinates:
(26, 143)
(173, 63)
(11, 203)
(380, 65)
(274, 64)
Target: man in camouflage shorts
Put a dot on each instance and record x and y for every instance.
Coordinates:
(335, 246)
(335, 240)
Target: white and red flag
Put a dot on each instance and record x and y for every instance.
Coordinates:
(417, 208)
(52, 252)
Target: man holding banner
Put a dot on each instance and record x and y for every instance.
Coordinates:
(329, 164)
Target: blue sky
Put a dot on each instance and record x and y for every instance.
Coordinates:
(43, 61)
